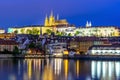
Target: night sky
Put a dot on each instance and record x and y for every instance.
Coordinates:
(32, 12)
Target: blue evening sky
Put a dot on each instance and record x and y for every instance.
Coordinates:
(31, 12)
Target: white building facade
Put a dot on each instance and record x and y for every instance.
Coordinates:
(98, 31)
(2, 31)
(104, 50)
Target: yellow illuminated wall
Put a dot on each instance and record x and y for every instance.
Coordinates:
(12, 30)
(7, 36)
(2, 31)
(66, 52)
(50, 28)
(25, 29)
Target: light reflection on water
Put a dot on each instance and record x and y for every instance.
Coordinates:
(58, 69)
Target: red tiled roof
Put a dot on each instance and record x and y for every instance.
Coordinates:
(8, 42)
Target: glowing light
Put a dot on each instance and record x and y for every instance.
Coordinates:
(66, 52)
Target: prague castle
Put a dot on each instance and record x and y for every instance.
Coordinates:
(54, 24)
(51, 23)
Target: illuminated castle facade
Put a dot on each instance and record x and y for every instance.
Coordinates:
(51, 23)
(55, 24)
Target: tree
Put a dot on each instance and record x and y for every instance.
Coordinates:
(62, 33)
(69, 34)
(22, 30)
(39, 46)
(52, 33)
(15, 50)
(35, 31)
(77, 33)
(5, 51)
(29, 31)
(16, 31)
(58, 33)
(31, 45)
(48, 31)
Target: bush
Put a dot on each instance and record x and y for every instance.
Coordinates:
(15, 50)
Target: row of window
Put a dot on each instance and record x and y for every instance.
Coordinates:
(115, 52)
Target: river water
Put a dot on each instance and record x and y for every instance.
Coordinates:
(58, 69)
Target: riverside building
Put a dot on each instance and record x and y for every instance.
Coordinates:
(7, 35)
(7, 45)
(2, 31)
(82, 44)
(104, 50)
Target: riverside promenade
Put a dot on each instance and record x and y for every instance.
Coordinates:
(82, 57)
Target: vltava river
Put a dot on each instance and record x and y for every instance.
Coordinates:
(58, 69)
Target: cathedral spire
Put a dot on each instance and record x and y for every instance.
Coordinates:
(88, 24)
(51, 13)
(46, 17)
(57, 16)
(46, 21)
(51, 19)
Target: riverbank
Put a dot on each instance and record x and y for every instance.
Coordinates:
(94, 57)
(82, 57)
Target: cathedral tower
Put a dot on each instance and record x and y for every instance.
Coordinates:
(88, 24)
(46, 21)
(51, 19)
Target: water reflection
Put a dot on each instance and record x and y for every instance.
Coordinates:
(58, 69)
(48, 73)
(105, 70)
(66, 66)
(57, 66)
(77, 68)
